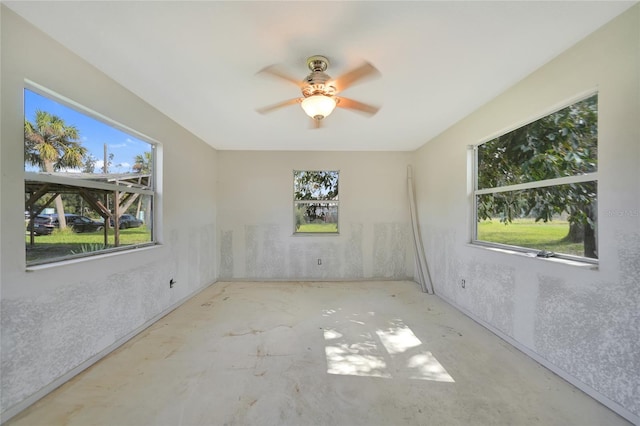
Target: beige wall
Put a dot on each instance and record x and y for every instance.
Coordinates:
(56, 320)
(583, 323)
(256, 217)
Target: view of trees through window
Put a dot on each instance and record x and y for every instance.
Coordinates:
(537, 185)
(88, 184)
(315, 201)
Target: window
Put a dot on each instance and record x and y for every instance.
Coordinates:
(89, 183)
(536, 186)
(315, 205)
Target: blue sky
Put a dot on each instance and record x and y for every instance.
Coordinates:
(93, 133)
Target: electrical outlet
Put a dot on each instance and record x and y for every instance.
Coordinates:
(319, 261)
(172, 282)
(463, 283)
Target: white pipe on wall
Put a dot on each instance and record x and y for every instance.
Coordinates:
(424, 276)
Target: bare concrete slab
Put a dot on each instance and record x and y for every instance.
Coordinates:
(339, 353)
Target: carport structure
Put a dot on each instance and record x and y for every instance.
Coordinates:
(41, 189)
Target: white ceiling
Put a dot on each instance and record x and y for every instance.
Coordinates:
(197, 61)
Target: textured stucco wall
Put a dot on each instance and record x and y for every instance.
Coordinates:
(53, 319)
(256, 217)
(583, 322)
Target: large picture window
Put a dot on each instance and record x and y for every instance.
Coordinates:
(315, 205)
(536, 186)
(89, 183)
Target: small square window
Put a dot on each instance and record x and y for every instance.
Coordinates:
(315, 201)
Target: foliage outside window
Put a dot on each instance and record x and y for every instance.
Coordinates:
(536, 186)
(89, 185)
(315, 202)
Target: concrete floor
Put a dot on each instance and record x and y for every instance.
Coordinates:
(351, 353)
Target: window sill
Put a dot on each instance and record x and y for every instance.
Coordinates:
(315, 234)
(66, 262)
(532, 255)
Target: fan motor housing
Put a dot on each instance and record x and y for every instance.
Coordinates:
(316, 81)
(317, 63)
(314, 88)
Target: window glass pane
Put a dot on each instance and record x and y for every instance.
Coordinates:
(315, 185)
(62, 140)
(310, 186)
(561, 144)
(86, 231)
(560, 219)
(88, 186)
(316, 217)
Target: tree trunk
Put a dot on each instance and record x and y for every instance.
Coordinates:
(576, 233)
(590, 242)
(48, 167)
(60, 209)
(590, 249)
(147, 212)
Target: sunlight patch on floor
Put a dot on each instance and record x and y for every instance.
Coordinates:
(357, 349)
(398, 340)
(360, 358)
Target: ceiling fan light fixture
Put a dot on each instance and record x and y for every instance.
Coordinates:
(318, 106)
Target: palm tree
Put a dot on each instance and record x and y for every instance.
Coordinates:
(142, 163)
(52, 145)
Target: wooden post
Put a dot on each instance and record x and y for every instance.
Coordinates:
(116, 218)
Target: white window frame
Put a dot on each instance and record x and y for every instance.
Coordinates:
(298, 202)
(587, 177)
(114, 186)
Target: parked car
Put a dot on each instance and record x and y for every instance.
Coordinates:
(76, 222)
(82, 223)
(42, 225)
(128, 221)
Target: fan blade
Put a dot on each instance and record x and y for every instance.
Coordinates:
(269, 108)
(354, 76)
(358, 106)
(277, 72)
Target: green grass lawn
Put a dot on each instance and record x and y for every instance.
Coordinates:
(531, 234)
(318, 227)
(521, 232)
(66, 243)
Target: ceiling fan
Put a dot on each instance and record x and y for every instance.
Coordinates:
(319, 90)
